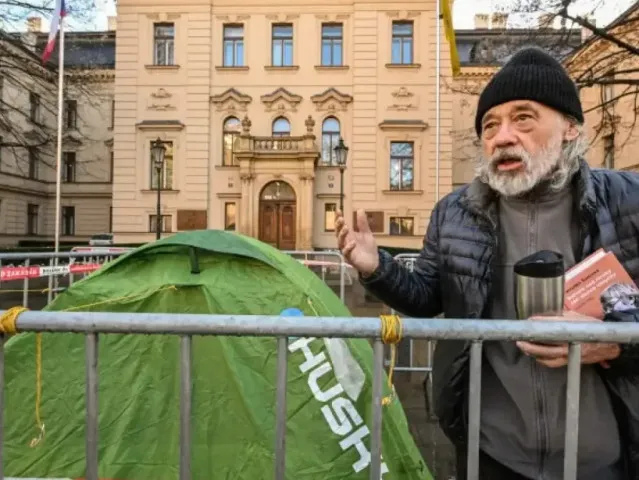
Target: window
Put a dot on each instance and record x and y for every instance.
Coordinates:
(165, 223)
(32, 219)
(281, 127)
(68, 167)
(68, 221)
(609, 151)
(402, 44)
(282, 45)
(166, 174)
(33, 163)
(70, 114)
(230, 216)
(233, 45)
(332, 44)
(402, 226)
(330, 139)
(34, 107)
(329, 216)
(163, 41)
(232, 128)
(401, 166)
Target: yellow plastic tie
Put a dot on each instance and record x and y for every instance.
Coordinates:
(9, 320)
(391, 335)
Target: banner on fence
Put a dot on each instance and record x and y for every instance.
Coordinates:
(35, 271)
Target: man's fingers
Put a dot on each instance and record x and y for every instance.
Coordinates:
(543, 351)
(341, 237)
(553, 363)
(348, 248)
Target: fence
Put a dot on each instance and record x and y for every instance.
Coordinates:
(93, 324)
(29, 266)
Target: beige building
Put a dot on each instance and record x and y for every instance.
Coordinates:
(252, 98)
(28, 139)
(250, 101)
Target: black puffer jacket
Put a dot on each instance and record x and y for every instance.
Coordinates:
(453, 276)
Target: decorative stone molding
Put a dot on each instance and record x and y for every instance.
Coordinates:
(163, 17)
(310, 125)
(231, 101)
(282, 17)
(164, 125)
(246, 125)
(403, 125)
(332, 17)
(404, 100)
(232, 18)
(281, 100)
(159, 101)
(72, 138)
(403, 14)
(331, 100)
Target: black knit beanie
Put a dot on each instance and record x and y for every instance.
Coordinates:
(531, 74)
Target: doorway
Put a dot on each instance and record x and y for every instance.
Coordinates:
(278, 213)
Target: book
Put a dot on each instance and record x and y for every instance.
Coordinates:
(599, 285)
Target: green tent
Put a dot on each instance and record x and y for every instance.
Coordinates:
(233, 377)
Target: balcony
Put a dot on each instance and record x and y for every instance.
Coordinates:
(258, 148)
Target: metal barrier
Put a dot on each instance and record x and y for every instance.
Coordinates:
(185, 325)
(322, 259)
(32, 265)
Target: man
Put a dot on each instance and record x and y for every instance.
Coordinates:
(532, 191)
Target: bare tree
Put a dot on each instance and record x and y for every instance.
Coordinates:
(28, 89)
(602, 59)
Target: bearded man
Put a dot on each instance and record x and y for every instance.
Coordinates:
(533, 191)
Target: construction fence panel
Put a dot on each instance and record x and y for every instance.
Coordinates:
(185, 325)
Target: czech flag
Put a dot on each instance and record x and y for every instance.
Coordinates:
(58, 14)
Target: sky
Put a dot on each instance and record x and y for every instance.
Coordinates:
(463, 12)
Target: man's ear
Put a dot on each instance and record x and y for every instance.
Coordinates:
(571, 133)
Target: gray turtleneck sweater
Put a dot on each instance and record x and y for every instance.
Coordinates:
(524, 403)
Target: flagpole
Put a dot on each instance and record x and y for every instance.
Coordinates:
(58, 167)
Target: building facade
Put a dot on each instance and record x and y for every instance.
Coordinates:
(251, 99)
(28, 121)
(249, 102)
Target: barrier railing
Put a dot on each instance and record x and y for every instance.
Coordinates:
(324, 263)
(185, 325)
(29, 266)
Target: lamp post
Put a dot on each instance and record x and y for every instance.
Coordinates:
(341, 152)
(157, 154)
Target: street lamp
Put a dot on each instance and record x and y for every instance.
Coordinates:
(157, 154)
(341, 152)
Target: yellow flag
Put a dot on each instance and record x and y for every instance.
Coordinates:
(447, 17)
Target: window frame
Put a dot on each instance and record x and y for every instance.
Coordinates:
(167, 42)
(282, 40)
(235, 41)
(402, 159)
(332, 40)
(403, 38)
(398, 219)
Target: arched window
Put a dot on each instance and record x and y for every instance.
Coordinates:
(232, 128)
(330, 139)
(281, 127)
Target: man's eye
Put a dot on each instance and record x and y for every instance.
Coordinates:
(522, 117)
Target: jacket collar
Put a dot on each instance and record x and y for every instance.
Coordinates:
(480, 199)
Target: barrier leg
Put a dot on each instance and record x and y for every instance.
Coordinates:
(91, 349)
(474, 410)
(376, 426)
(186, 397)
(1, 405)
(280, 408)
(572, 412)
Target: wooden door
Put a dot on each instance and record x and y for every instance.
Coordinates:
(277, 224)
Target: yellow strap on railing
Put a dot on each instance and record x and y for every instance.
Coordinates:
(391, 335)
(9, 320)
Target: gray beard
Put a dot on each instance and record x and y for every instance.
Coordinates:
(554, 166)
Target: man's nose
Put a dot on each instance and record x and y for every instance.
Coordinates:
(505, 136)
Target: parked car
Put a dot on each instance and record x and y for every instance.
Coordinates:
(101, 240)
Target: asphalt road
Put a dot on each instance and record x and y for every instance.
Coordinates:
(435, 448)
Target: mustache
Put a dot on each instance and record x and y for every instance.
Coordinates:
(510, 153)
